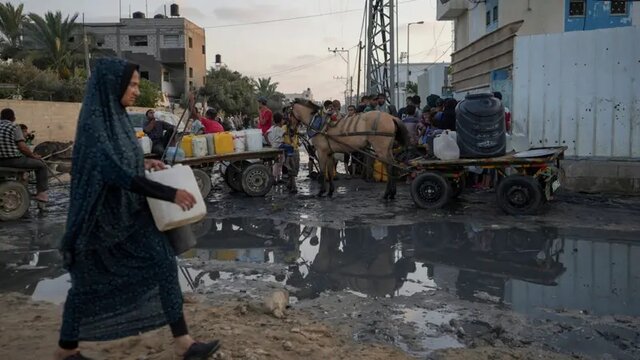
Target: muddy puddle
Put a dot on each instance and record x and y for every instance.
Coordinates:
(540, 272)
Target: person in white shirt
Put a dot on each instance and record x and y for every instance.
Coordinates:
(275, 136)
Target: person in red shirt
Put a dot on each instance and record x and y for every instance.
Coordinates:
(266, 116)
(211, 125)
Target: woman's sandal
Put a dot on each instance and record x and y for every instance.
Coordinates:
(201, 351)
(77, 356)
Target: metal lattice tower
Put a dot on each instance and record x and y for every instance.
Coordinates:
(381, 77)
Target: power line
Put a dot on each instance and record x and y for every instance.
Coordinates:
(260, 22)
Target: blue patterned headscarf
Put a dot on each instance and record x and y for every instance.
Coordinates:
(106, 158)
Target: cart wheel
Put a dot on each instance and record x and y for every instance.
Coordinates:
(233, 175)
(458, 185)
(256, 180)
(14, 200)
(430, 190)
(203, 179)
(519, 195)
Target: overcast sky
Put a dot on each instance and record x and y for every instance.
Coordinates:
(294, 53)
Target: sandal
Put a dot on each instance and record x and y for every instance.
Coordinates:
(77, 356)
(201, 351)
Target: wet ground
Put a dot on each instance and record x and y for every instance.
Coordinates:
(567, 280)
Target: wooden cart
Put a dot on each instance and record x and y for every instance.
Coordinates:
(249, 171)
(527, 180)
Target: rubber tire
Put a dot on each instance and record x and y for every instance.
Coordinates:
(529, 188)
(23, 198)
(233, 176)
(431, 179)
(204, 182)
(257, 180)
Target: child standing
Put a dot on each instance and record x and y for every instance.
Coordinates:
(275, 136)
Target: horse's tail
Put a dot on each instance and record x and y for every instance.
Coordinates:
(402, 133)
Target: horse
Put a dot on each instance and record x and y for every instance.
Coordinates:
(350, 134)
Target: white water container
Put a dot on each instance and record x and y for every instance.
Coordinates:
(254, 139)
(168, 215)
(145, 144)
(445, 146)
(239, 141)
(199, 145)
(211, 145)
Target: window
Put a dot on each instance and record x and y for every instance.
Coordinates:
(190, 72)
(495, 13)
(166, 76)
(190, 43)
(138, 40)
(576, 8)
(204, 80)
(144, 74)
(190, 85)
(488, 20)
(204, 50)
(172, 41)
(618, 7)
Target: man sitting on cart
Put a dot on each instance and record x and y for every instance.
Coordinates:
(158, 131)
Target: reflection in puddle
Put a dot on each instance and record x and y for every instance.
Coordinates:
(427, 323)
(527, 270)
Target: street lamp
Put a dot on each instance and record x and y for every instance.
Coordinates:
(408, 43)
(349, 84)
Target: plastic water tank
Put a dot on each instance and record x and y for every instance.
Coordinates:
(168, 215)
(239, 141)
(187, 145)
(199, 145)
(481, 127)
(254, 139)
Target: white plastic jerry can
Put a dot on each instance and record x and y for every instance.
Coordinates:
(168, 215)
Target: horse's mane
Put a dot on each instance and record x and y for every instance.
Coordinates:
(307, 103)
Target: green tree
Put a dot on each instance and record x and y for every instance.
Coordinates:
(52, 36)
(230, 92)
(149, 94)
(12, 21)
(412, 88)
(264, 87)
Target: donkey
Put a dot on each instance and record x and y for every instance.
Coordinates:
(351, 134)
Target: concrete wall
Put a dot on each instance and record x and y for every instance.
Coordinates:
(602, 176)
(52, 121)
(196, 57)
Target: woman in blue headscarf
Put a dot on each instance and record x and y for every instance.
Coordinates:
(124, 276)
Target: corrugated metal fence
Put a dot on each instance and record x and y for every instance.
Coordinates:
(580, 89)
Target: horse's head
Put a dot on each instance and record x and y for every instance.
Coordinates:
(304, 110)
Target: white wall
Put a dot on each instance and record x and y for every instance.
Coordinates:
(584, 97)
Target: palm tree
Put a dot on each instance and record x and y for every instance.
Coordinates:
(53, 37)
(12, 21)
(264, 87)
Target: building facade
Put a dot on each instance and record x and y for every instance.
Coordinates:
(434, 80)
(171, 52)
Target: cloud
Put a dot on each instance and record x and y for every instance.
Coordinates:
(245, 14)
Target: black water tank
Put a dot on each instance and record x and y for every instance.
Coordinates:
(175, 10)
(138, 15)
(481, 127)
(218, 59)
(159, 16)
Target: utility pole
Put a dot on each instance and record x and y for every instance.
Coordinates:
(360, 48)
(86, 47)
(381, 37)
(337, 51)
(406, 85)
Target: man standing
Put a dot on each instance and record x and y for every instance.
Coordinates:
(158, 131)
(382, 105)
(15, 153)
(266, 116)
(402, 113)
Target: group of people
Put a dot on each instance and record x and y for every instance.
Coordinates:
(282, 133)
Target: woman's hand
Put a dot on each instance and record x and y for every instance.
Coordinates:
(150, 164)
(185, 200)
